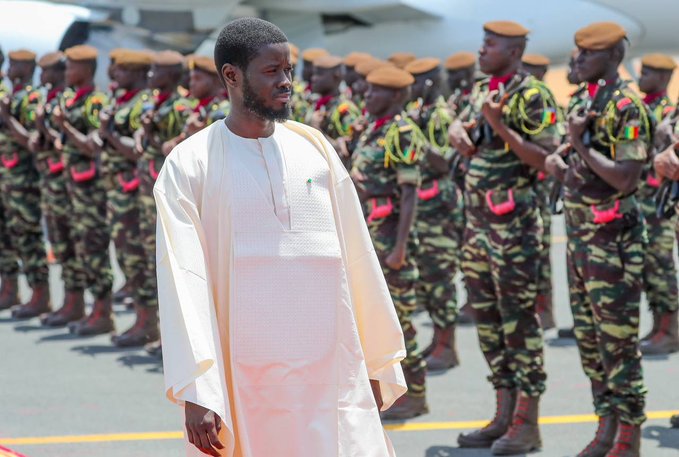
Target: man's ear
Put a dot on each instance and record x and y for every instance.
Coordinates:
(231, 75)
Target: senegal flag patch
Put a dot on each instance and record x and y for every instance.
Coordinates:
(631, 132)
(549, 116)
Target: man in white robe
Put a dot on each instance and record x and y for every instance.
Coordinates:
(279, 334)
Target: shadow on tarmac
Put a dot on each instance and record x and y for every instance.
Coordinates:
(153, 363)
(667, 437)
(448, 451)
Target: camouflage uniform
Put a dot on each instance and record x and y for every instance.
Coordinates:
(660, 273)
(21, 196)
(300, 101)
(605, 258)
(9, 258)
(503, 244)
(168, 121)
(439, 223)
(339, 114)
(87, 193)
(122, 194)
(55, 201)
(380, 195)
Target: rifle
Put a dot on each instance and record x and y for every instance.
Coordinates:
(596, 105)
(666, 198)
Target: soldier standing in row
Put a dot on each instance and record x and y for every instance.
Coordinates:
(440, 215)
(512, 118)
(385, 170)
(77, 116)
(660, 272)
(20, 190)
(610, 137)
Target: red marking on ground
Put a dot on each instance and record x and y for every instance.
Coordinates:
(4, 452)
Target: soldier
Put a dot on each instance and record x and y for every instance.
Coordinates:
(660, 273)
(162, 123)
(308, 57)
(332, 112)
(118, 159)
(513, 128)
(610, 137)
(386, 173)
(33, 130)
(350, 61)
(76, 116)
(209, 103)
(9, 263)
(360, 86)
(440, 215)
(460, 68)
(20, 190)
(401, 59)
(537, 65)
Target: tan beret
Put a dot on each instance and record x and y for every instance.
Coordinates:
(424, 65)
(203, 63)
(365, 67)
(391, 77)
(401, 59)
(599, 36)
(460, 60)
(81, 53)
(353, 58)
(22, 55)
(50, 59)
(130, 58)
(328, 62)
(309, 55)
(294, 50)
(168, 58)
(536, 60)
(506, 28)
(114, 53)
(659, 62)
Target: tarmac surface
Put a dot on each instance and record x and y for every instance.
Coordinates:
(66, 396)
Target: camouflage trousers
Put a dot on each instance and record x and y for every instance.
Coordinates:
(438, 228)
(123, 219)
(402, 289)
(147, 227)
(21, 202)
(544, 298)
(92, 235)
(58, 211)
(605, 265)
(660, 273)
(500, 262)
(9, 258)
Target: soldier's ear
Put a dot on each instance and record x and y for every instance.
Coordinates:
(231, 75)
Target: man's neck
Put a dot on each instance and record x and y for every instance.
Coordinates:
(248, 125)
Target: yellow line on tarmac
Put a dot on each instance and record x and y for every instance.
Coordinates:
(559, 239)
(412, 427)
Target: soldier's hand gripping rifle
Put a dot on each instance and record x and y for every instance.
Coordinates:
(667, 196)
(595, 106)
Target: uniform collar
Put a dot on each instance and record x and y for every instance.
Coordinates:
(654, 97)
(495, 81)
(381, 122)
(203, 102)
(127, 96)
(80, 93)
(323, 101)
(162, 98)
(52, 94)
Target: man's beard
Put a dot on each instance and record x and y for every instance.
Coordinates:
(254, 103)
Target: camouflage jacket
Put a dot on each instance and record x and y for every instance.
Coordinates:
(434, 120)
(339, 115)
(48, 99)
(531, 110)
(211, 109)
(169, 115)
(622, 131)
(14, 155)
(459, 101)
(300, 101)
(82, 110)
(387, 156)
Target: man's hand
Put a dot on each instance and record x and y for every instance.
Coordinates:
(194, 124)
(556, 166)
(34, 142)
(666, 163)
(377, 393)
(202, 428)
(59, 117)
(317, 119)
(459, 138)
(577, 124)
(397, 259)
(492, 108)
(5, 104)
(105, 119)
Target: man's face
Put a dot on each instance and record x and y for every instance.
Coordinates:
(496, 54)
(163, 76)
(325, 80)
(201, 83)
(591, 66)
(128, 77)
(423, 85)
(52, 76)
(19, 70)
(379, 99)
(538, 71)
(307, 71)
(460, 79)
(267, 83)
(350, 76)
(572, 75)
(77, 73)
(652, 80)
(360, 86)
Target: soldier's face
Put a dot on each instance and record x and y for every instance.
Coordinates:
(652, 80)
(325, 80)
(460, 79)
(537, 71)
(350, 76)
(591, 66)
(497, 53)
(379, 99)
(128, 77)
(360, 86)
(572, 75)
(423, 84)
(51, 76)
(19, 70)
(201, 83)
(78, 73)
(163, 77)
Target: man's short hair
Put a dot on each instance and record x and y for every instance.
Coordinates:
(240, 40)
